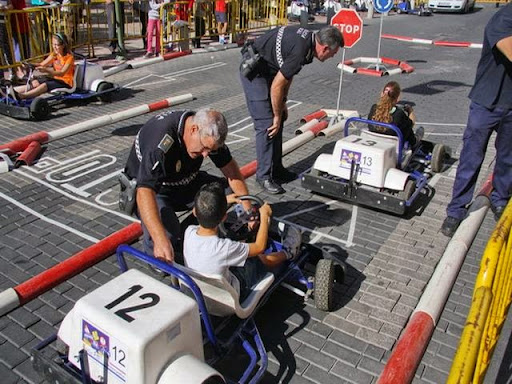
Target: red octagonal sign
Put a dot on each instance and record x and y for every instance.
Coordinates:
(350, 25)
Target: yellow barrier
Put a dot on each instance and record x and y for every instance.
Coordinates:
(29, 30)
(491, 299)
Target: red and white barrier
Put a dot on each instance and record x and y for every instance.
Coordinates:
(456, 44)
(320, 114)
(20, 144)
(403, 67)
(406, 356)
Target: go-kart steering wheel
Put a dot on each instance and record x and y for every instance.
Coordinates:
(236, 226)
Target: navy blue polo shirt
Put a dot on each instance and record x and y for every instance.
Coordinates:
(285, 49)
(493, 82)
(152, 167)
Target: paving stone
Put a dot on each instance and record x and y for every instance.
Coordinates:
(313, 356)
(341, 353)
(375, 338)
(348, 341)
(339, 323)
(11, 355)
(16, 334)
(23, 317)
(49, 315)
(351, 374)
(310, 339)
(370, 366)
(26, 371)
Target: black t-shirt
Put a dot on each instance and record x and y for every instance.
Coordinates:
(151, 166)
(493, 82)
(285, 49)
(401, 120)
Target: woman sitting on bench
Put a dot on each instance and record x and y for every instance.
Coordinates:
(386, 111)
(59, 67)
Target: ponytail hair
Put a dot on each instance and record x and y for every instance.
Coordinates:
(387, 101)
(63, 40)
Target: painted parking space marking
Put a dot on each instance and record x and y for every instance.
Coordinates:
(141, 82)
(48, 220)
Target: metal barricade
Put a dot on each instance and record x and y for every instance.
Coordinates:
(491, 299)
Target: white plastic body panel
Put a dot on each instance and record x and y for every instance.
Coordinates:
(396, 179)
(374, 158)
(93, 76)
(140, 323)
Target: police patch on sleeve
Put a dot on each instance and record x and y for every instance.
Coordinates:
(166, 143)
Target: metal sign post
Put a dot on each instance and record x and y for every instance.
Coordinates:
(351, 26)
(383, 7)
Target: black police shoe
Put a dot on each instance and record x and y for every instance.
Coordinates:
(450, 225)
(498, 211)
(283, 175)
(271, 186)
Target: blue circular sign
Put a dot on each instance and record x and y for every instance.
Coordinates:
(383, 6)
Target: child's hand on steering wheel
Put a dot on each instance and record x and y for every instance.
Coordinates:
(232, 199)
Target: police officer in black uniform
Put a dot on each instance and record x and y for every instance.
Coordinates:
(267, 69)
(165, 161)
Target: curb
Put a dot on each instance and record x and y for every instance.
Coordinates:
(403, 66)
(138, 63)
(442, 43)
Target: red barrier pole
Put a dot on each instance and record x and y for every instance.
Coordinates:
(65, 270)
(320, 114)
(28, 155)
(20, 144)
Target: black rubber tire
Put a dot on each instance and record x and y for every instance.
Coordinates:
(438, 155)
(410, 187)
(324, 285)
(39, 108)
(105, 97)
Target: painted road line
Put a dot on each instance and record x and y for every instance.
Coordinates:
(315, 232)
(70, 196)
(48, 220)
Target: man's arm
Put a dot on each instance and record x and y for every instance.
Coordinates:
(148, 210)
(505, 47)
(278, 92)
(236, 181)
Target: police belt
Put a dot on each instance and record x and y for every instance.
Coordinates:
(179, 183)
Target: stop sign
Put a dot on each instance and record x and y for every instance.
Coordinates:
(350, 25)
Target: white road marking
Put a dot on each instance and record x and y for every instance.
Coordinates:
(352, 228)
(70, 196)
(315, 232)
(48, 220)
(442, 124)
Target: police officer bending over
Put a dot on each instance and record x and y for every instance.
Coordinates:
(267, 69)
(165, 160)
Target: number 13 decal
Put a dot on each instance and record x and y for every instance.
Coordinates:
(154, 299)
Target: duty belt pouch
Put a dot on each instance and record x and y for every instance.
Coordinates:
(127, 193)
(250, 61)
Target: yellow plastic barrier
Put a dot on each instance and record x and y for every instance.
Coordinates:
(491, 299)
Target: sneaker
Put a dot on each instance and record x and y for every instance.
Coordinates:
(450, 225)
(291, 239)
(420, 132)
(147, 55)
(13, 94)
(270, 186)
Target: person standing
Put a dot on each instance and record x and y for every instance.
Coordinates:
(221, 18)
(490, 110)
(154, 27)
(266, 72)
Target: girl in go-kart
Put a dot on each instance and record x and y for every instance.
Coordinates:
(58, 67)
(386, 111)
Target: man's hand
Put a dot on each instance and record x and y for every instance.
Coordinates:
(273, 130)
(232, 199)
(163, 250)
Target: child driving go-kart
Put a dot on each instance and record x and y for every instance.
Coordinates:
(58, 69)
(243, 264)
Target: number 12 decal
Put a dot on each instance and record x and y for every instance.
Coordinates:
(154, 299)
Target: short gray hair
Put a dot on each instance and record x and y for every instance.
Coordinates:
(330, 36)
(212, 123)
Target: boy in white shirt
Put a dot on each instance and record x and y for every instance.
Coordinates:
(242, 264)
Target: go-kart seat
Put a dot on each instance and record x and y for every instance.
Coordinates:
(406, 152)
(221, 298)
(73, 88)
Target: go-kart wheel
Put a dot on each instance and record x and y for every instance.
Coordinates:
(410, 187)
(438, 155)
(236, 227)
(324, 285)
(39, 108)
(105, 87)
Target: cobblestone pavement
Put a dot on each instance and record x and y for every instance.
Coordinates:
(67, 202)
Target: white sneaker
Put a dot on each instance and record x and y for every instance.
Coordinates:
(291, 239)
